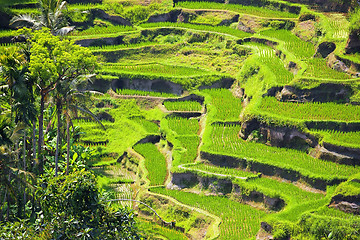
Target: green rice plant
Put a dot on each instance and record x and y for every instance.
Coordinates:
(257, 11)
(273, 64)
(335, 213)
(133, 92)
(85, 6)
(346, 139)
(97, 30)
(157, 68)
(189, 152)
(155, 162)
(149, 126)
(336, 26)
(187, 82)
(224, 139)
(8, 3)
(217, 29)
(268, 186)
(103, 48)
(222, 170)
(183, 126)
(152, 228)
(191, 106)
(222, 105)
(311, 111)
(239, 221)
(292, 43)
(262, 71)
(318, 68)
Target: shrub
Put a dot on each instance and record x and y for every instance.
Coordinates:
(71, 209)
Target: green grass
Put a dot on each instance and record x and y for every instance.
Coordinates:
(14, 2)
(149, 126)
(239, 221)
(257, 11)
(311, 111)
(269, 187)
(155, 162)
(183, 126)
(156, 231)
(182, 106)
(187, 82)
(222, 105)
(208, 28)
(188, 153)
(318, 68)
(102, 30)
(124, 126)
(133, 92)
(104, 48)
(346, 139)
(292, 43)
(156, 68)
(222, 170)
(221, 139)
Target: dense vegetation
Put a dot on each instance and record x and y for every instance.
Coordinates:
(219, 120)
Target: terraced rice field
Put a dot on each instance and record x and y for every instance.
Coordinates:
(238, 68)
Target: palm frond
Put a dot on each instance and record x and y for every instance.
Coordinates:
(26, 20)
(85, 110)
(64, 30)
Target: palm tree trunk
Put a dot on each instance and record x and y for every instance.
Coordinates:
(34, 142)
(41, 133)
(68, 144)
(24, 167)
(8, 203)
(1, 206)
(58, 139)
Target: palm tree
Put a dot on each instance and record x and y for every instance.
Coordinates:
(14, 70)
(69, 99)
(51, 17)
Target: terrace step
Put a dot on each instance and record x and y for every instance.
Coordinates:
(269, 170)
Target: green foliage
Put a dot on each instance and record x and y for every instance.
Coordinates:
(154, 230)
(252, 10)
(149, 126)
(187, 149)
(355, 20)
(330, 228)
(137, 13)
(183, 126)
(216, 29)
(188, 82)
(144, 93)
(347, 139)
(239, 220)
(350, 187)
(155, 162)
(71, 209)
(182, 105)
(97, 30)
(223, 106)
(318, 68)
(292, 43)
(157, 69)
(52, 58)
(224, 139)
(311, 111)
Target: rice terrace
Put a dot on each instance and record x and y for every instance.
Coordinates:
(180, 119)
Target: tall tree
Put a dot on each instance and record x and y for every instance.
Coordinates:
(56, 63)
